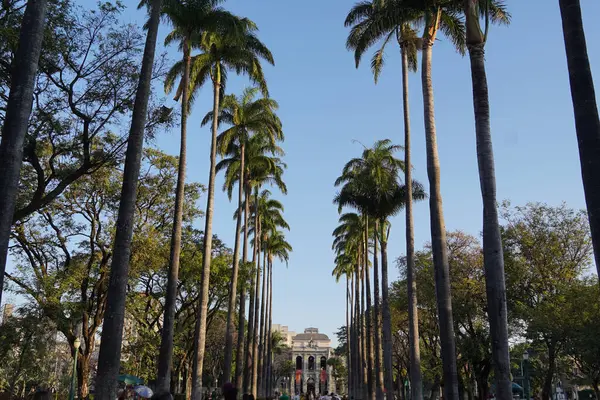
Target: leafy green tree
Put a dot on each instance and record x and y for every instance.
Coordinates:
(585, 109)
(582, 343)
(16, 117)
(110, 349)
(546, 249)
(28, 351)
(247, 116)
(63, 253)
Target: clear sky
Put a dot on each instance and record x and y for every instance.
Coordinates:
(326, 103)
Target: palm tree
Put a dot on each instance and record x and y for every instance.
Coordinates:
(587, 122)
(256, 159)
(259, 169)
(247, 116)
(349, 247)
(342, 267)
(370, 184)
(235, 47)
(492, 241)
(112, 329)
(276, 246)
(269, 219)
(189, 19)
(18, 109)
(362, 18)
(436, 15)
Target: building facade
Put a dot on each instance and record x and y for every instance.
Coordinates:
(309, 352)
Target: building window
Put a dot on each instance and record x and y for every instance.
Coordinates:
(323, 363)
(298, 362)
(311, 363)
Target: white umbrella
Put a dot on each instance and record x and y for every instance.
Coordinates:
(143, 391)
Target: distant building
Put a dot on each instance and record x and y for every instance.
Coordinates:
(287, 334)
(310, 352)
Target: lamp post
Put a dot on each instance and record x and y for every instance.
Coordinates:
(76, 345)
(526, 374)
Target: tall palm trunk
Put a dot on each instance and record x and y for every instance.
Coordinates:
(348, 341)
(387, 316)
(261, 346)
(112, 330)
(247, 384)
(438, 228)
(207, 249)
(357, 322)
(369, 326)
(18, 109)
(587, 122)
(241, 349)
(234, 275)
(363, 334)
(255, 338)
(416, 380)
(166, 344)
(493, 259)
(270, 335)
(377, 320)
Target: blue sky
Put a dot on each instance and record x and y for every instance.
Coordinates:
(326, 103)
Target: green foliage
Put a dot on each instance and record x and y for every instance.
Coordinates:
(85, 87)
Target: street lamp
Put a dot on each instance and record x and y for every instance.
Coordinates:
(526, 374)
(76, 345)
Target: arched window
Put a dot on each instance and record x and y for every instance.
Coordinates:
(323, 363)
(298, 362)
(311, 363)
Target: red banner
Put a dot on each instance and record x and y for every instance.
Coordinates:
(323, 376)
(298, 376)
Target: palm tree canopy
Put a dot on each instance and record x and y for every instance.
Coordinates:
(371, 183)
(263, 164)
(232, 47)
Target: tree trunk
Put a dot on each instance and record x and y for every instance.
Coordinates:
(166, 345)
(387, 316)
(493, 259)
(416, 380)
(269, 336)
(357, 356)
(376, 319)
(83, 373)
(255, 339)
(369, 325)
(261, 345)
(587, 122)
(348, 342)
(250, 335)
(547, 386)
(234, 276)
(363, 336)
(109, 358)
(241, 355)
(18, 109)
(207, 248)
(438, 229)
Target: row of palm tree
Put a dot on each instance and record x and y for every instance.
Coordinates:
(382, 21)
(224, 42)
(369, 184)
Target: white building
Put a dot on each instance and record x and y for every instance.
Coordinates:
(310, 352)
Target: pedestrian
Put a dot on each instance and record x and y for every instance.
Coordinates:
(229, 391)
(284, 396)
